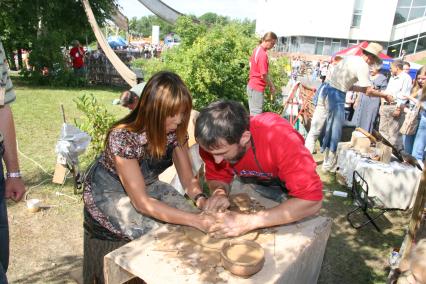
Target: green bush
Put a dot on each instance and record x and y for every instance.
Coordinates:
(95, 122)
(213, 62)
(57, 77)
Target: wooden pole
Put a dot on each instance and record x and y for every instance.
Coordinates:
(416, 216)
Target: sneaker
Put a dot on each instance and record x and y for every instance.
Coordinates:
(326, 163)
(332, 162)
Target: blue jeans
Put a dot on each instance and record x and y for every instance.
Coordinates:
(4, 228)
(408, 143)
(255, 100)
(420, 140)
(335, 118)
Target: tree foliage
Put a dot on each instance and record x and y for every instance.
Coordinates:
(45, 26)
(213, 61)
(143, 26)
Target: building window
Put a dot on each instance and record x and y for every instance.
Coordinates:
(409, 46)
(419, 3)
(401, 15)
(356, 18)
(421, 45)
(319, 46)
(394, 50)
(352, 42)
(408, 10)
(335, 46)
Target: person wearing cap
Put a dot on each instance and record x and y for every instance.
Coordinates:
(12, 187)
(391, 113)
(77, 58)
(351, 70)
(130, 98)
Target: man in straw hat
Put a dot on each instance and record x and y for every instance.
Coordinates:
(351, 70)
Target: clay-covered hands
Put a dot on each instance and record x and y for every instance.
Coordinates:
(15, 189)
(231, 224)
(218, 202)
(207, 221)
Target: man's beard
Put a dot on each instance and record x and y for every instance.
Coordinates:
(240, 154)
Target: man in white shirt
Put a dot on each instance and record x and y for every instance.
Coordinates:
(391, 113)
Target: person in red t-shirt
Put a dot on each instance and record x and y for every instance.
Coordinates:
(77, 57)
(262, 149)
(258, 77)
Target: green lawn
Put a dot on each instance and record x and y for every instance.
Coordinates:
(45, 246)
(421, 61)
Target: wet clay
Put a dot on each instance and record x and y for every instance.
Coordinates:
(207, 241)
(241, 253)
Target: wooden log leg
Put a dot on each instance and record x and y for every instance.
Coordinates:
(94, 252)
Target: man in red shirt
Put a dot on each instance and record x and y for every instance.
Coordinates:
(77, 57)
(258, 77)
(262, 149)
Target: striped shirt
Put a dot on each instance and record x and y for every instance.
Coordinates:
(5, 83)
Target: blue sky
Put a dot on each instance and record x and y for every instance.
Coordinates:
(235, 9)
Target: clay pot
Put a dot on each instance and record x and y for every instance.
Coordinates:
(33, 205)
(242, 258)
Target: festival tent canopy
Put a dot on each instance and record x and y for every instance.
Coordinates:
(116, 41)
(387, 60)
(357, 50)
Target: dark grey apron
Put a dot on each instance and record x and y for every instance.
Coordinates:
(269, 187)
(111, 199)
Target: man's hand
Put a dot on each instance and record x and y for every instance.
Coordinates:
(218, 202)
(370, 91)
(207, 220)
(397, 112)
(15, 189)
(231, 224)
(389, 98)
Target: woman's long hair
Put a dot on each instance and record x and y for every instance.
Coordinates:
(165, 95)
(416, 86)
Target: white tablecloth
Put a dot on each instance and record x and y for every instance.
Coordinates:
(395, 184)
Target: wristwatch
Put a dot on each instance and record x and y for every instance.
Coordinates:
(14, 174)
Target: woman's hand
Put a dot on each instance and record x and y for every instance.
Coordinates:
(218, 202)
(206, 221)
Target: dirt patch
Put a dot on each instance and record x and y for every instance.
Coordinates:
(45, 246)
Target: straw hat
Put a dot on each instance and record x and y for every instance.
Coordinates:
(374, 49)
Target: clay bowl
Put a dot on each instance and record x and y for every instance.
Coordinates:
(242, 257)
(33, 205)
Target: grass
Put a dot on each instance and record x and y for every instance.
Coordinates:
(44, 246)
(421, 61)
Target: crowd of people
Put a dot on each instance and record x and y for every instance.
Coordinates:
(355, 91)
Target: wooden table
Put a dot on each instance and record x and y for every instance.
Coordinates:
(293, 254)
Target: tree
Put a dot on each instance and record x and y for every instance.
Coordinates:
(143, 26)
(213, 19)
(46, 26)
(213, 62)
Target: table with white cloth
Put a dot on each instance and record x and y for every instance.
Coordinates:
(394, 184)
(293, 254)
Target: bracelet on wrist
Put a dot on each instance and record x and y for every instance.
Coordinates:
(198, 196)
(221, 189)
(13, 174)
